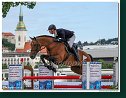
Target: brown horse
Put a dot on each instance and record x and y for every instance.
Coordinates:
(58, 51)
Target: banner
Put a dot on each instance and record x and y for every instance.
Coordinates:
(91, 75)
(15, 76)
(45, 83)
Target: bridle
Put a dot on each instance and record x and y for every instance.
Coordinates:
(36, 48)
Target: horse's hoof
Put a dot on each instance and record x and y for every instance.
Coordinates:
(49, 67)
(54, 70)
(45, 65)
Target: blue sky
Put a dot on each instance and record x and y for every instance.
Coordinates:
(89, 20)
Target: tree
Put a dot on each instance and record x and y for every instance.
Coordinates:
(36, 67)
(7, 44)
(7, 5)
(79, 43)
(91, 43)
(85, 43)
(105, 65)
(103, 41)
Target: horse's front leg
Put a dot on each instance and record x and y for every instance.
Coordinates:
(42, 58)
(50, 67)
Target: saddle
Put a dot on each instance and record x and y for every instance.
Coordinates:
(69, 50)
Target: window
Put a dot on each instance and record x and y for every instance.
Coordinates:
(6, 75)
(19, 38)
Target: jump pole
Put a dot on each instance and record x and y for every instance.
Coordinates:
(60, 77)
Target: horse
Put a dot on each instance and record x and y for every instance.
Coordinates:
(58, 52)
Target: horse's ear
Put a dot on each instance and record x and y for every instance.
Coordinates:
(34, 38)
(31, 38)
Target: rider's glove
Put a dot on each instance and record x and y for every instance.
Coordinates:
(63, 40)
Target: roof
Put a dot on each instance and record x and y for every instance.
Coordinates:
(100, 46)
(7, 34)
(27, 47)
(106, 52)
(21, 26)
(19, 50)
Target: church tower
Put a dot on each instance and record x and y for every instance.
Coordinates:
(20, 32)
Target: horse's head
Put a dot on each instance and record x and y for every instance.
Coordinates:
(35, 47)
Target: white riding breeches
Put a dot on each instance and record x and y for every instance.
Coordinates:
(71, 41)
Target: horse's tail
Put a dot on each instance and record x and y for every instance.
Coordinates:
(89, 57)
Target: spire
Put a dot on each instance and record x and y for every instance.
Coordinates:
(21, 25)
(21, 14)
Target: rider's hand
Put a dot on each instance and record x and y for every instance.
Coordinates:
(63, 40)
(60, 40)
(56, 40)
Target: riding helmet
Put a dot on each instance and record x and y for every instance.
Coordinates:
(52, 26)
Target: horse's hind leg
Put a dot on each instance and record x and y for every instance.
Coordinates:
(77, 69)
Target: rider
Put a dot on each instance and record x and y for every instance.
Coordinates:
(65, 35)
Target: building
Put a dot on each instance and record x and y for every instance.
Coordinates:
(106, 52)
(9, 36)
(20, 32)
(5, 49)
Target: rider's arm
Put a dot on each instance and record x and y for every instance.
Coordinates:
(63, 34)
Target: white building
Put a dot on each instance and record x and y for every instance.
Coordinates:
(17, 59)
(9, 36)
(20, 32)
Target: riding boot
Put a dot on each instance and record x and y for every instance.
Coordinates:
(75, 52)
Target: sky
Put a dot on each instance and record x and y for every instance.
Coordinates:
(90, 21)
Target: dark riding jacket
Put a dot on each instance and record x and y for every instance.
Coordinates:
(65, 34)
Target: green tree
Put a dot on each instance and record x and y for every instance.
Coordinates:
(7, 44)
(7, 5)
(36, 67)
(91, 43)
(85, 43)
(105, 65)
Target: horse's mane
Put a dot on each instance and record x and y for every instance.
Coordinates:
(44, 36)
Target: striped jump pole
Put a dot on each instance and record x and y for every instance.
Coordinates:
(51, 77)
(78, 86)
(61, 77)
